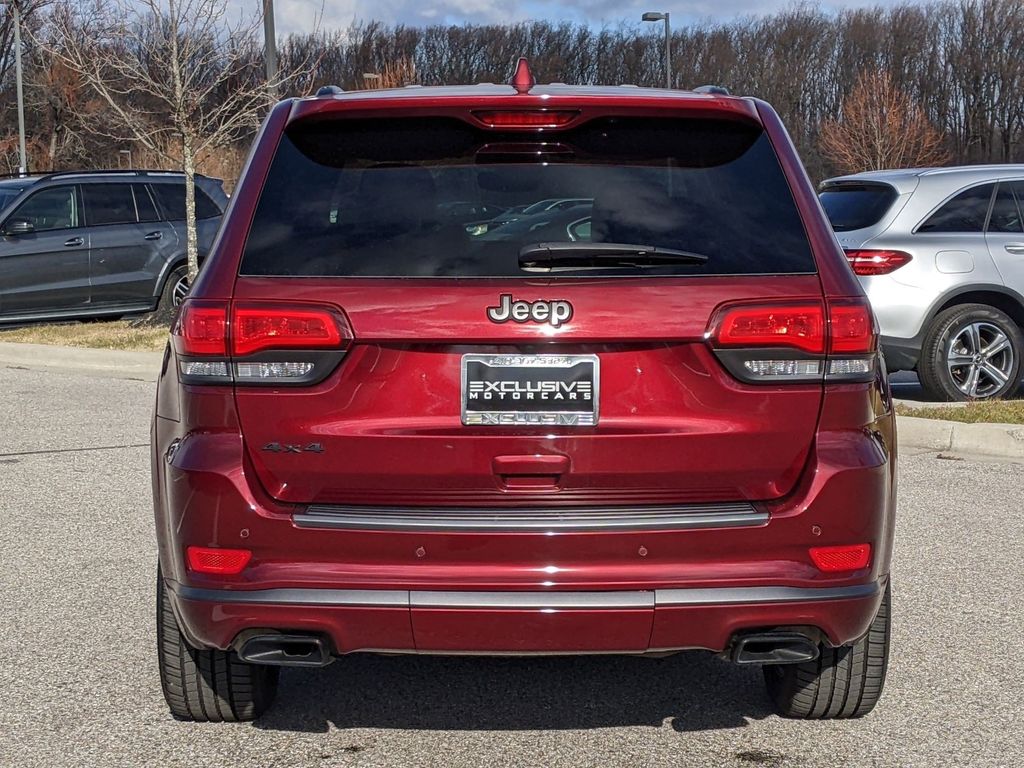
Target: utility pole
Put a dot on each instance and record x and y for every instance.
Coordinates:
(654, 16)
(270, 48)
(16, 13)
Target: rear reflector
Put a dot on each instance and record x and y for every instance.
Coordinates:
(800, 326)
(867, 262)
(851, 557)
(226, 562)
(537, 118)
(255, 328)
(201, 329)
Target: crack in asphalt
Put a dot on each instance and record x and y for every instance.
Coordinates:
(74, 450)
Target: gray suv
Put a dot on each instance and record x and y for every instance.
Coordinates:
(940, 253)
(100, 243)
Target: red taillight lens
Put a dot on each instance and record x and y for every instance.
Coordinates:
(801, 326)
(227, 562)
(851, 557)
(868, 262)
(254, 328)
(537, 118)
(852, 328)
(201, 328)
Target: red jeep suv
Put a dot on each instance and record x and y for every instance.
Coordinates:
(646, 417)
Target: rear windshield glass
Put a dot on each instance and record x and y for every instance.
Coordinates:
(851, 207)
(438, 198)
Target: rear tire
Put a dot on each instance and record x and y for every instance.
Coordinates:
(959, 342)
(207, 685)
(175, 290)
(841, 683)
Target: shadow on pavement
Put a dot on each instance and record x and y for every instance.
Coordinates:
(694, 691)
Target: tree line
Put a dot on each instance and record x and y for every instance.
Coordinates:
(958, 64)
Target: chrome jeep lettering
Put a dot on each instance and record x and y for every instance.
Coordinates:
(553, 312)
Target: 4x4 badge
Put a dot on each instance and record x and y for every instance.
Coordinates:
(540, 311)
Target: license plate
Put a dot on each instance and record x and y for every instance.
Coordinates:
(546, 390)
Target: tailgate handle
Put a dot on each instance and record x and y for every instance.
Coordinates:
(531, 470)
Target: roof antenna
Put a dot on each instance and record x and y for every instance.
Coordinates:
(523, 80)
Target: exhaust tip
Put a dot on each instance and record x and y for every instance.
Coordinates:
(286, 650)
(774, 648)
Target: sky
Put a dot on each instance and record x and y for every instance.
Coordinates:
(301, 15)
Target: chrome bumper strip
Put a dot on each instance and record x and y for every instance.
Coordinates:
(528, 600)
(491, 520)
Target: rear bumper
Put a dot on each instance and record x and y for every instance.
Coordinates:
(421, 621)
(900, 354)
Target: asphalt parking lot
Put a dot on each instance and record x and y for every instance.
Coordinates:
(78, 679)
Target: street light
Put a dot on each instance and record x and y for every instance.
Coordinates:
(654, 16)
(270, 47)
(13, 5)
(371, 78)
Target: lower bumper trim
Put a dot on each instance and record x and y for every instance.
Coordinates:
(526, 600)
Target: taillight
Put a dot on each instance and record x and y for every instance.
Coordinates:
(867, 262)
(202, 329)
(254, 328)
(215, 560)
(793, 342)
(848, 557)
(255, 343)
(535, 118)
(801, 326)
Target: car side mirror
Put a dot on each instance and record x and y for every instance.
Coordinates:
(15, 227)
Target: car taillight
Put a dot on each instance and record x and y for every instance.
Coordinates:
(255, 343)
(867, 262)
(848, 557)
(534, 118)
(254, 328)
(805, 341)
(202, 329)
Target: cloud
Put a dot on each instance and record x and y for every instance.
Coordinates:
(303, 15)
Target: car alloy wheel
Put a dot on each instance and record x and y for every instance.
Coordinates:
(180, 291)
(980, 359)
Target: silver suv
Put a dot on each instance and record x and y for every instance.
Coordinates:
(940, 253)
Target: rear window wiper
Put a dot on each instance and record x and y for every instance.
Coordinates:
(566, 257)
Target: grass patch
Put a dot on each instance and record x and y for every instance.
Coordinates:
(111, 335)
(995, 411)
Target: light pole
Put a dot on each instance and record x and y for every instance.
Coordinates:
(23, 158)
(654, 16)
(124, 153)
(270, 48)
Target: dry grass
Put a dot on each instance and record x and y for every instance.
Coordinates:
(995, 411)
(111, 335)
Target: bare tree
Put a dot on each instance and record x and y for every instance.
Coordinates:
(881, 127)
(176, 76)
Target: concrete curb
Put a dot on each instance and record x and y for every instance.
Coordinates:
(110, 363)
(996, 441)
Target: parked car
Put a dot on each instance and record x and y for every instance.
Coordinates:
(376, 433)
(571, 223)
(518, 212)
(939, 252)
(98, 243)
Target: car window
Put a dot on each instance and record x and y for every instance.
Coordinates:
(8, 194)
(144, 203)
(964, 213)
(366, 197)
(856, 206)
(51, 208)
(171, 197)
(1005, 216)
(109, 204)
